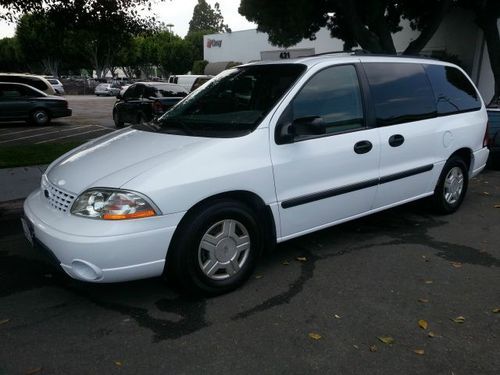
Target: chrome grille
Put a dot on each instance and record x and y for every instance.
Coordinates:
(57, 198)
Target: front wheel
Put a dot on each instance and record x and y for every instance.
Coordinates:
(452, 186)
(216, 249)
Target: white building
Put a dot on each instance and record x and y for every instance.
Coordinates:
(458, 35)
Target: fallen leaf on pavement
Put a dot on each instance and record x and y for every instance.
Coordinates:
(373, 348)
(301, 259)
(419, 351)
(3, 321)
(355, 347)
(432, 335)
(486, 193)
(428, 281)
(423, 324)
(497, 206)
(118, 363)
(315, 336)
(286, 263)
(33, 371)
(337, 316)
(423, 300)
(386, 339)
(459, 319)
(496, 311)
(456, 264)
(259, 276)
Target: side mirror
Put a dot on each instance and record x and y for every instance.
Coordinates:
(304, 126)
(311, 125)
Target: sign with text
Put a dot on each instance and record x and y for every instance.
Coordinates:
(214, 43)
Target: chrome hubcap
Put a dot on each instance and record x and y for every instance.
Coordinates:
(224, 249)
(453, 185)
(41, 117)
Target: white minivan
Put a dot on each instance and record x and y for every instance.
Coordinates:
(263, 153)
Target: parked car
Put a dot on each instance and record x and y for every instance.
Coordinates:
(37, 82)
(188, 81)
(106, 89)
(264, 153)
(143, 101)
(56, 85)
(494, 137)
(22, 102)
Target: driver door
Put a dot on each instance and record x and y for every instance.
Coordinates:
(326, 178)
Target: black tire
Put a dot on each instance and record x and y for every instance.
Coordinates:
(118, 124)
(40, 117)
(185, 256)
(140, 119)
(443, 201)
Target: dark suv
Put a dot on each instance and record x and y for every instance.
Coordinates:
(494, 135)
(143, 101)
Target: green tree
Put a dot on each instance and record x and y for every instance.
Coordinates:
(42, 39)
(207, 19)
(12, 8)
(195, 39)
(367, 23)
(10, 60)
(176, 56)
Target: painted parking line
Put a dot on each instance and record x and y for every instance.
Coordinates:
(27, 130)
(70, 136)
(44, 134)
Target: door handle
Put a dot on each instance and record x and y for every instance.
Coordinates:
(396, 140)
(362, 147)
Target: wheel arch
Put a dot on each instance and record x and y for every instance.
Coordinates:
(466, 155)
(250, 199)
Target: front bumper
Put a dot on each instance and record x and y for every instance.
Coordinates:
(101, 251)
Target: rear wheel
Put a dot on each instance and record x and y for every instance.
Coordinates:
(452, 186)
(116, 118)
(40, 117)
(216, 249)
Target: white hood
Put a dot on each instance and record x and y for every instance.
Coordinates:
(114, 159)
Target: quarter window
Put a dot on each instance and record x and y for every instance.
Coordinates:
(401, 92)
(334, 95)
(453, 91)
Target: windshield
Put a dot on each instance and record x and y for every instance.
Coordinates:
(231, 104)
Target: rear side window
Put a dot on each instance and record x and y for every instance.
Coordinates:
(31, 81)
(334, 95)
(401, 92)
(169, 91)
(453, 91)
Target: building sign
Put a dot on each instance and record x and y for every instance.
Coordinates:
(214, 43)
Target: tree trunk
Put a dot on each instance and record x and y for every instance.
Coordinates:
(380, 42)
(428, 32)
(487, 21)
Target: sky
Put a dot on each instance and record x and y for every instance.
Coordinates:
(178, 13)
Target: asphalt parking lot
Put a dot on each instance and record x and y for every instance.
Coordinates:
(92, 117)
(346, 300)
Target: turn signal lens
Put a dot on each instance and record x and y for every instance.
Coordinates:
(111, 204)
(135, 215)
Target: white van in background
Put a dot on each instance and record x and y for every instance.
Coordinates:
(38, 82)
(189, 82)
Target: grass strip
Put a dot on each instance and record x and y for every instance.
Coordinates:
(31, 154)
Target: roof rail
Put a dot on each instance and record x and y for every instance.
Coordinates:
(363, 52)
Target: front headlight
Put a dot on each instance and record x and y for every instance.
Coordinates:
(113, 204)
